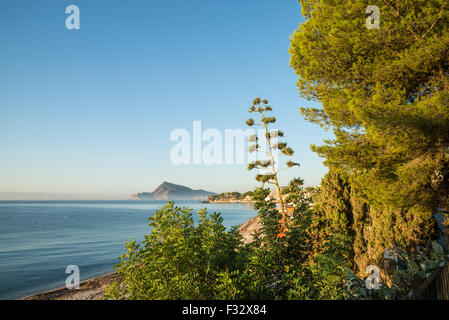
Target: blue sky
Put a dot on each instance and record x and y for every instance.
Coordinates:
(91, 110)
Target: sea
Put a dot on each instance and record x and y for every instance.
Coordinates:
(39, 239)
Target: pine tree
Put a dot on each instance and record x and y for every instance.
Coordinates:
(385, 94)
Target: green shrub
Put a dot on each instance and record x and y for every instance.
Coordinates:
(181, 259)
(178, 259)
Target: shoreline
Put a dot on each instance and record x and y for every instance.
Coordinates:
(90, 289)
(229, 201)
(94, 288)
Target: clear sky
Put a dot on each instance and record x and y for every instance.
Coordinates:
(91, 111)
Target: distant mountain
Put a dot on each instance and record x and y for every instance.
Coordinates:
(171, 191)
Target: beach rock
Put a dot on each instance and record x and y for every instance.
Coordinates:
(248, 228)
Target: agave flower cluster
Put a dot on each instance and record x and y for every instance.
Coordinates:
(262, 107)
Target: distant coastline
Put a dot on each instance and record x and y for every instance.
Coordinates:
(229, 201)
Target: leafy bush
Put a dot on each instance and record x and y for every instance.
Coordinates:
(178, 259)
(181, 259)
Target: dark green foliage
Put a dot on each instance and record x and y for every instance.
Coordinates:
(286, 267)
(334, 200)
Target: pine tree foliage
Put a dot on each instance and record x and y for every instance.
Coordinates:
(385, 95)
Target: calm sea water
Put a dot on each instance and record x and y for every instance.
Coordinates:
(39, 239)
